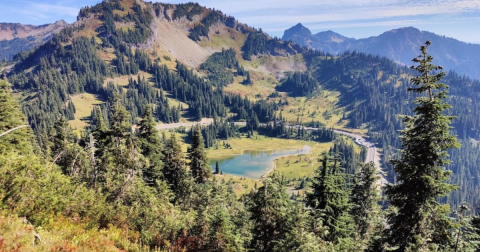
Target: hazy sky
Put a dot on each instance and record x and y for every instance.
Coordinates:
(459, 19)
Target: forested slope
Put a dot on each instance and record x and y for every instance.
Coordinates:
(117, 173)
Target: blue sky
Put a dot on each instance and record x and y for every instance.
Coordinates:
(459, 19)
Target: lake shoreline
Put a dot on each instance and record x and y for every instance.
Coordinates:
(242, 168)
(274, 162)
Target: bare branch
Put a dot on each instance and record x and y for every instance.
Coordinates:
(16, 128)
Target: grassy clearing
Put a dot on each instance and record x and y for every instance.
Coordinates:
(240, 185)
(123, 80)
(257, 143)
(90, 29)
(300, 166)
(84, 104)
(106, 54)
(294, 166)
(226, 38)
(321, 107)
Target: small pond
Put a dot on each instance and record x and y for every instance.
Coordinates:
(253, 164)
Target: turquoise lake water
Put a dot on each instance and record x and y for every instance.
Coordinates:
(253, 164)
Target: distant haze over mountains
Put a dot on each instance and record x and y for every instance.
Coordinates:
(400, 45)
(15, 37)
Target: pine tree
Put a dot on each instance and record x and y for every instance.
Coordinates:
(364, 199)
(199, 166)
(151, 147)
(270, 215)
(12, 119)
(174, 168)
(217, 168)
(418, 219)
(329, 201)
(122, 161)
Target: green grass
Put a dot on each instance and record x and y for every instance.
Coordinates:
(294, 166)
(300, 166)
(224, 39)
(123, 80)
(84, 104)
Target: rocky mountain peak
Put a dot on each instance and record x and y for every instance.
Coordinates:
(297, 30)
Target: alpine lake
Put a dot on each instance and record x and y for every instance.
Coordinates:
(254, 164)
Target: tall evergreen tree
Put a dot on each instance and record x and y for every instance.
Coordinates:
(329, 201)
(174, 168)
(217, 168)
(11, 118)
(419, 221)
(364, 199)
(199, 167)
(270, 214)
(151, 147)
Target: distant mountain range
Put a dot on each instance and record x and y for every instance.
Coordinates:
(398, 45)
(15, 38)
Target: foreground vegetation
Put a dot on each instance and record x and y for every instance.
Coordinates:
(115, 183)
(117, 189)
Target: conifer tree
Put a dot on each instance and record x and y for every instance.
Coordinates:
(122, 161)
(364, 199)
(270, 215)
(151, 147)
(419, 221)
(329, 200)
(217, 168)
(11, 118)
(199, 167)
(174, 168)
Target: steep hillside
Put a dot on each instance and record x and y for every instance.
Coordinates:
(94, 170)
(128, 48)
(15, 38)
(398, 45)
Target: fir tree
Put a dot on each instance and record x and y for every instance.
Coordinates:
(12, 119)
(419, 220)
(364, 199)
(329, 200)
(174, 168)
(270, 215)
(151, 147)
(199, 167)
(217, 168)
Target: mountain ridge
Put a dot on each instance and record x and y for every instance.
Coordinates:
(399, 45)
(16, 37)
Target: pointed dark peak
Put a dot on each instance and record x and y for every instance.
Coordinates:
(297, 30)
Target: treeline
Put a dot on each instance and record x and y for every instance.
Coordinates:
(140, 182)
(219, 66)
(299, 84)
(259, 43)
(9, 48)
(203, 27)
(375, 90)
